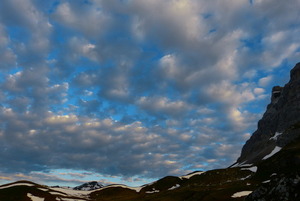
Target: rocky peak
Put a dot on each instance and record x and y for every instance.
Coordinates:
(275, 127)
(276, 92)
(93, 185)
(295, 72)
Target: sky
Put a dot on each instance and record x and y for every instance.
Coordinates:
(129, 91)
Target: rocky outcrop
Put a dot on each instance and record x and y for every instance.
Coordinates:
(283, 189)
(275, 127)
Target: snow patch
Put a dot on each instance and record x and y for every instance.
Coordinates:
(244, 178)
(243, 164)
(277, 134)
(174, 187)
(252, 169)
(34, 198)
(16, 184)
(241, 194)
(275, 150)
(153, 191)
(190, 175)
(267, 181)
(43, 189)
(69, 191)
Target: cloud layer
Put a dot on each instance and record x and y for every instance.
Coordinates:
(137, 88)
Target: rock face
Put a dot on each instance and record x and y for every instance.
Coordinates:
(285, 188)
(276, 126)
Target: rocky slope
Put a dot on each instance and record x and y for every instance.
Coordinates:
(275, 128)
(267, 170)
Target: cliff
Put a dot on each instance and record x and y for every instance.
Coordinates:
(276, 128)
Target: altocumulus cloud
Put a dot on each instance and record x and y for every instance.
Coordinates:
(136, 88)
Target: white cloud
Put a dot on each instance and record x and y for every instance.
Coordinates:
(155, 16)
(92, 21)
(259, 91)
(162, 105)
(263, 82)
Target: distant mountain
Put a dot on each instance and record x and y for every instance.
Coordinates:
(93, 185)
(267, 170)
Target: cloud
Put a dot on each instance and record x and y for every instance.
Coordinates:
(263, 82)
(66, 13)
(7, 57)
(161, 105)
(137, 88)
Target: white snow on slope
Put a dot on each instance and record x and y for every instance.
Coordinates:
(241, 194)
(244, 178)
(243, 164)
(275, 150)
(43, 189)
(16, 184)
(252, 169)
(153, 191)
(69, 191)
(34, 198)
(275, 136)
(190, 175)
(174, 187)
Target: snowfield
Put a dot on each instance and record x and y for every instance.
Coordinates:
(174, 187)
(190, 175)
(34, 198)
(277, 134)
(275, 150)
(17, 184)
(241, 194)
(252, 169)
(69, 191)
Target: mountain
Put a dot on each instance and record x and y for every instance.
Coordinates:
(278, 126)
(267, 170)
(93, 185)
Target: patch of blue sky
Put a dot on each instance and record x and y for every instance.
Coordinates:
(18, 33)
(53, 7)
(207, 15)
(254, 43)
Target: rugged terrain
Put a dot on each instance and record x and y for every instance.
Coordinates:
(268, 168)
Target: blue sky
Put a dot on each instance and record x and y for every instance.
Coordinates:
(129, 91)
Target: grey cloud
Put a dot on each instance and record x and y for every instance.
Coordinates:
(92, 21)
(31, 24)
(102, 146)
(149, 61)
(7, 56)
